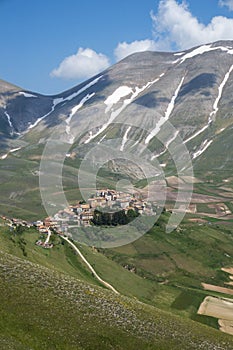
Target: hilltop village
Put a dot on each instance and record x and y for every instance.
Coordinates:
(103, 200)
(83, 214)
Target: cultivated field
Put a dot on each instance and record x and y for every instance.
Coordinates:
(218, 289)
(220, 308)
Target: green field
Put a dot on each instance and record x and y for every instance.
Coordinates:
(43, 308)
(158, 276)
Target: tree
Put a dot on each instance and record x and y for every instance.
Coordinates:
(97, 218)
(113, 219)
(120, 218)
(19, 229)
(131, 215)
(106, 219)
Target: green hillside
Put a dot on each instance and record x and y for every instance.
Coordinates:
(49, 300)
(44, 309)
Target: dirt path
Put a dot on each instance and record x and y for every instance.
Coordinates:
(48, 237)
(106, 284)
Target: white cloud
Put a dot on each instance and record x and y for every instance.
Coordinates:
(176, 28)
(227, 3)
(124, 49)
(82, 65)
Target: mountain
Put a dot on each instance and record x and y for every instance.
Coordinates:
(192, 89)
(171, 107)
(160, 122)
(19, 109)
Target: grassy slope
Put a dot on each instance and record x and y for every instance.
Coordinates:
(177, 264)
(61, 258)
(44, 309)
(19, 184)
(182, 260)
(183, 300)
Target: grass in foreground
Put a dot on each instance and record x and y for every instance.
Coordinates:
(43, 309)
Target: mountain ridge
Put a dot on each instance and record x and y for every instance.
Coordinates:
(200, 78)
(148, 104)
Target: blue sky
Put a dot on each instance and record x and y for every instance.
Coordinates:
(48, 46)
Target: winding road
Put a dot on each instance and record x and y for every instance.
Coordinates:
(106, 284)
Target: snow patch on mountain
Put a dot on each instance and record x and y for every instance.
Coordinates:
(220, 90)
(56, 101)
(215, 106)
(15, 149)
(172, 139)
(76, 108)
(26, 94)
(71, 137)
(9, 122)
(134, 93)
(73, 111)
(125, 138)
(167, 113)
(102, 138)
(202, 149)
(4, 156)
(31, 126)
(201, 50)
(135, 144)
(166, 146)
(196, 133)
(120, 92)
(159, 154)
